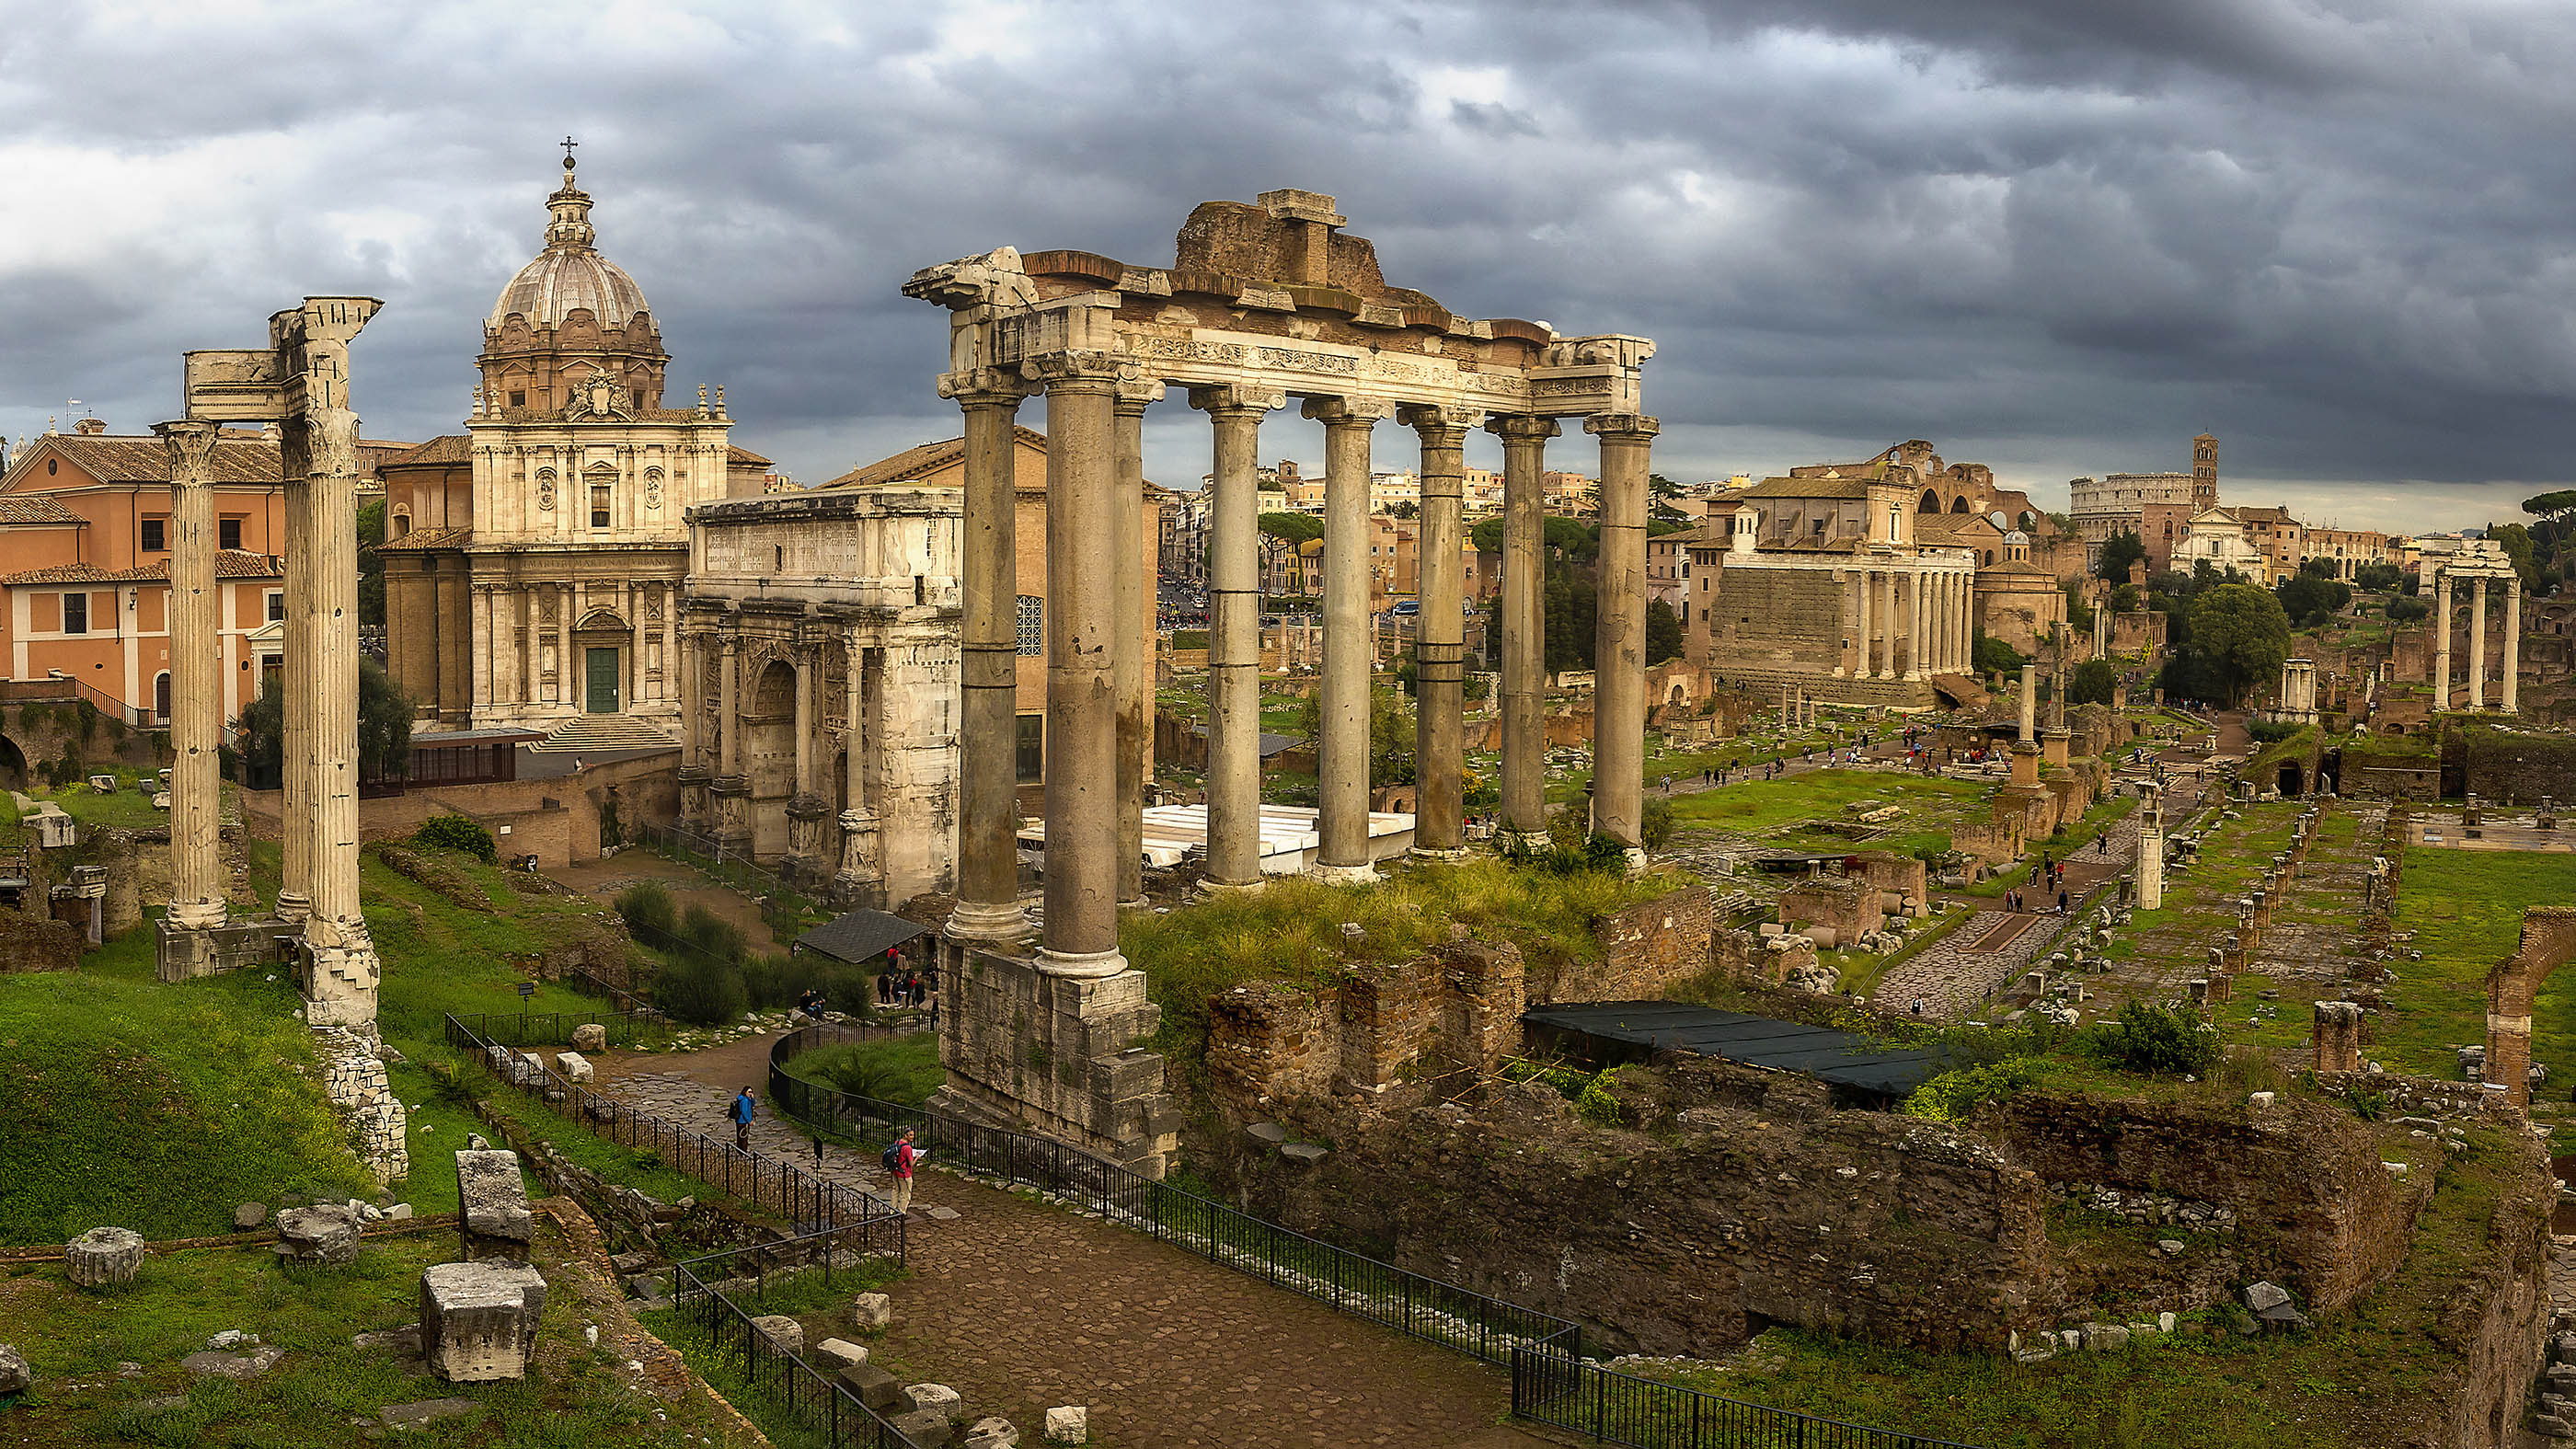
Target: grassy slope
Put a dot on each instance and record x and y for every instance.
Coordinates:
(1767, 807)
(898, 1069)
(2465, 908)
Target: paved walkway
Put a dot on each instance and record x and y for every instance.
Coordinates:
(1020, 1305)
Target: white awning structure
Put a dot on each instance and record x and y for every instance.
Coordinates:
(1289, 837)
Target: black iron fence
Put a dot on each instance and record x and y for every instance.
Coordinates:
(626, 1029)
(1557, 1387)
(704, 1296)
(865, 1221)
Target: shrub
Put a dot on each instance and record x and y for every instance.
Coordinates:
(902, 1069)
(708, 934)
(2154, 1038)
(1954, 1094)
(2272, 732)
(649, 911)
(1597, 1103)
(458, 833)
(1655, 826)
(694, 989)
(2403, 610)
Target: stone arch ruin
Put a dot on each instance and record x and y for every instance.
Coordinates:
(2548, 940)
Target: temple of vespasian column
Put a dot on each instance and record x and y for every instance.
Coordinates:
(1264, 302)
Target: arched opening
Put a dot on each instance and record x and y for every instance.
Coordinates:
(2293, 780)
(2513, 987)
(1680, 697)
(1931, 502)
(1960, 504)
(161, 696)
(769, 756)
(13, 764)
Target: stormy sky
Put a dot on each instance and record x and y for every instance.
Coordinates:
(2057, 238)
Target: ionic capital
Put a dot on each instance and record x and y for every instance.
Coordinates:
(1521, 428)
(1622, 425)
(984, 387)
(1348, 412)
(1440, 426)
(1236, 397)
(1084, 372)
(191, 447)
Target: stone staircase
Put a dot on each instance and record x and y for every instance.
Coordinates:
(602, 733)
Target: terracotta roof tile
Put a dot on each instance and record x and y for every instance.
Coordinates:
(230, 563)
(736, 453)
(78, 573)
(446, 448)
(426, 540)
(35, 508)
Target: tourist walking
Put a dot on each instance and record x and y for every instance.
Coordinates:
(743, 1109)
(899, 1160)
(2061, 903)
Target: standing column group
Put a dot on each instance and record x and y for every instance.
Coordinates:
(196, 704)
(1234, 638)
(1342, 791)
(1524, 632)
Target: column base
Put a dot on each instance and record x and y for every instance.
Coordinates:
(1342, 874)
(293, 909)
(337, 972)
(182, 953)
(196, 916)
(985, 921)
(1231, 887)
(1510, 839)
(1425, 852)
(1059, 1055)
(1079, 965)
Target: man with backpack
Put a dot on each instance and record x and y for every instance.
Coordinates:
(741, 1113)
(900, 1155)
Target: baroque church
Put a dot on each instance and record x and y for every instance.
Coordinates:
(534, 564)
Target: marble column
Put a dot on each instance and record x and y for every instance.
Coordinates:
(806, 663)
(692, 708)
(670, 595)
(196, 683)
(1915, 620)
(1080, 938)
(2478, 644)
(1524, 632)
(1887, 625)
(2151, 857)
(2513, 646)
(858, 817)
(1619, 635)
(339, 966)
(2442, 640)
(297, 816)
(1343, 757)
(1860, 628)
(729, 713)
(988, 791)
(567, 687)
(1234, 639)
(2029, 702)
(1439, 633)
(485, 614)
(1129, 637)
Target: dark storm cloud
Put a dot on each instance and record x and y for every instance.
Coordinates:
(2057, 237)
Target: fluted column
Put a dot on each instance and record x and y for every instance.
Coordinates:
(341, 973)
(1343, 758)
(196, 704)
(1081, 932)
(1524, 633)
(2513, 646)
(2442, 640)
(1887, 624)
(1915, 619)
(2029, 702)
(567, 691)
(1860, 627)
(297, 819)
(806, 662)
(1619, 635)
(1440, 760)
(670, 640)
(2478, 643)
(1234, 639)
(1128, 637)
(481, 626)
(858, 816)
(693, 707)
(988, 814)
(729, 712)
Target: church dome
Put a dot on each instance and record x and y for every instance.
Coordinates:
(570, 274)
(2016, 536)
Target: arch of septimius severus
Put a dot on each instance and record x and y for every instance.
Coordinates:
(1263, 303)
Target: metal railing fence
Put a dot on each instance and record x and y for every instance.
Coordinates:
(780, 1379)
(1562, 1390)
(770, 1183)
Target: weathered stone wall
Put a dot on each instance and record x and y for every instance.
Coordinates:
(1644, 949)
(2514, 767)
(1846, 908)
(1271, 1042)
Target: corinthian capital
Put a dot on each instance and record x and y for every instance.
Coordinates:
(191, 446)
(1348, 411)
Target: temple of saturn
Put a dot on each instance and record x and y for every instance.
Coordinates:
(2477, 564)
(300, 382)
(1263, 303)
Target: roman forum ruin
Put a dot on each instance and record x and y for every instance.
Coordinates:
(1262, 303)
(2477, 567)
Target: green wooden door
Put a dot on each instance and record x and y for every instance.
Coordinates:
(603, 681)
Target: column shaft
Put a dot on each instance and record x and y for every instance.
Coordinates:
(807, 661)
(1081, 934)
(196, 683)
(296, 768)
(1524, 633)
(1887, 624)
(1619, 639)
(567, 691)
(1343, 760)
(693, 753)
(1916, 617)
(1128, 636)
(729, 712)
(2512, 646)
(485, 627)
(854, 739)
(1234, 641)
(2478, 644)
(2442, 641)
(1439, 633)
(670, 639)
(1860, 627)
(988, 814)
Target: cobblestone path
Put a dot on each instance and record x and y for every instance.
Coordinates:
(1020, 1305)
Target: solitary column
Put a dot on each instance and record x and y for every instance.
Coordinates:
(2442, 640)
(1343, 782)
(1439, 633)
(196, 708)
(2478, 644)
(1081, 934)
(1619, 634)
(1234, 638)
(1915, 617)
(2151, 857)
(1860, 629)
(2512, 644)
(988, 809)
(2029, 703)
(1524, 635)
(1128, 638)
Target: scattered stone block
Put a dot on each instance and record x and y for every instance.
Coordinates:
(103, 1256)
(398, 1213)
(251, 1365)
(938, 1397)
(478, 1321)
(1305, 1154)
(2262, 1296)
(15, 1376)
(400, 1417)
(992, 1432)
(873, 1310)
(233, 1338)
(590, 1036)
(2170, 1247)
(497, 1224)
(326, 1235)
(924, 1429)
(872, 1386)
(1269, 1134)
(248, 1216)
(834, 1354)
(2105, 1337)
(2165, 1322)
(2552, 1426)
(573, 1066)
(1069, 1424)
(783, 1332)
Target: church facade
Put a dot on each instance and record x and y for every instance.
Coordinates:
(534, 565)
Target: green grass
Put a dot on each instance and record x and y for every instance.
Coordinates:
(441, 957)
(822, 1305)
(129, 806)
(574, 1395)
(903, 1069)
(1771, 808)
(2465, 908)
(157, 1108)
